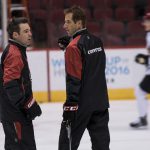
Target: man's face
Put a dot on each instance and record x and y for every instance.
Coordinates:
(70, 26)
(146, 25)
(24, 36)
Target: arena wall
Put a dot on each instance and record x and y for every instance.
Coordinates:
(48, 73)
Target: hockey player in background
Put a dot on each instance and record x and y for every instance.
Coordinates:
(18, 107)
(86, 105)
(143, 88)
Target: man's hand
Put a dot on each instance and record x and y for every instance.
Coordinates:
(32, 109)
(142, 59)
(69, 112)
(63, 42)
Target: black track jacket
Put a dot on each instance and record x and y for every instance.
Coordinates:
(17, 89)
(85, 72)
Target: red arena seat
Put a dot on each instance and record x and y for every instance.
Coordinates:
(125, 14)
(135, 41)
(114, 28)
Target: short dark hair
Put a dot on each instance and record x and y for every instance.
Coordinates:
(13, 25)
(78, 14)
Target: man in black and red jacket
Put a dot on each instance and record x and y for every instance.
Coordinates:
(18, 107)
(87, 104)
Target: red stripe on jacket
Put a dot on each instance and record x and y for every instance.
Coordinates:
(73, 59)
(13, 64)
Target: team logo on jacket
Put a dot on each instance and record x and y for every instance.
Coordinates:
(95, 50)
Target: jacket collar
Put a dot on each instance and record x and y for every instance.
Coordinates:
(14, 42)
(80, 32)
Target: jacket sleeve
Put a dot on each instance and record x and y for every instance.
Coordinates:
(73, 62)
(14, 93)
(13, 66)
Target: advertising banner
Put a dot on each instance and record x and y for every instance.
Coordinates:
(122, 73)
(121, 68)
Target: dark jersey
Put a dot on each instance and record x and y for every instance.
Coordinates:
(85, 71)
(17, 88)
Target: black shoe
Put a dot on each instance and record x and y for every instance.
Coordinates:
(142, 122)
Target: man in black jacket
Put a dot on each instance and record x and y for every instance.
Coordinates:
(86, 105)
(18, 107)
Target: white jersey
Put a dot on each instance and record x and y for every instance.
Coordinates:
(148, 47)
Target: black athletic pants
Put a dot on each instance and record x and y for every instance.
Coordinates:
(145, 83)
(97, 125)
(19, 136)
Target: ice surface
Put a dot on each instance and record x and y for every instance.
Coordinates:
(122, 136)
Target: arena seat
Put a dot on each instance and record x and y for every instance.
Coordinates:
(38, 14)
(61, 30)
(39, 30)
(93, 27)
(148, 2)
(53, 41)
(135, 41)
(60, 4)
(55, 32)
(34, 4)
(101, 14)
(114, 28)
(44, 4)
(88, 14)
(135, 28)
(120, 20)
(82, 3)
(147, 9)
(111, 40)
(101, 3)
(56, 15)
(125, 14)
(124, 3)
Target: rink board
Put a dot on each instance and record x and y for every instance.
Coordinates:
(114, 94)
(48, 73)
(60, 96)
(122, 73)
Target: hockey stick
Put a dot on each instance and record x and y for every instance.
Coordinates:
(68, 128)
(70, 109)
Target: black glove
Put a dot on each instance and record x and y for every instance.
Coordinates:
(63, 42)
(69, 111)
(142, 59)
(32, 109)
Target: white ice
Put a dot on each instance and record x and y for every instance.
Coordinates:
(122, 136)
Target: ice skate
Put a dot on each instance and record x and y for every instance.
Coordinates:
(140, 123)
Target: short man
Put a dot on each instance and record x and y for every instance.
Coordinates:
(18, 107)
(86, 106)
(143, 88)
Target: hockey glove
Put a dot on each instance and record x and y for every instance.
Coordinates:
(63, 42)
(69, 112)
(32, 109)
(142, 59)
